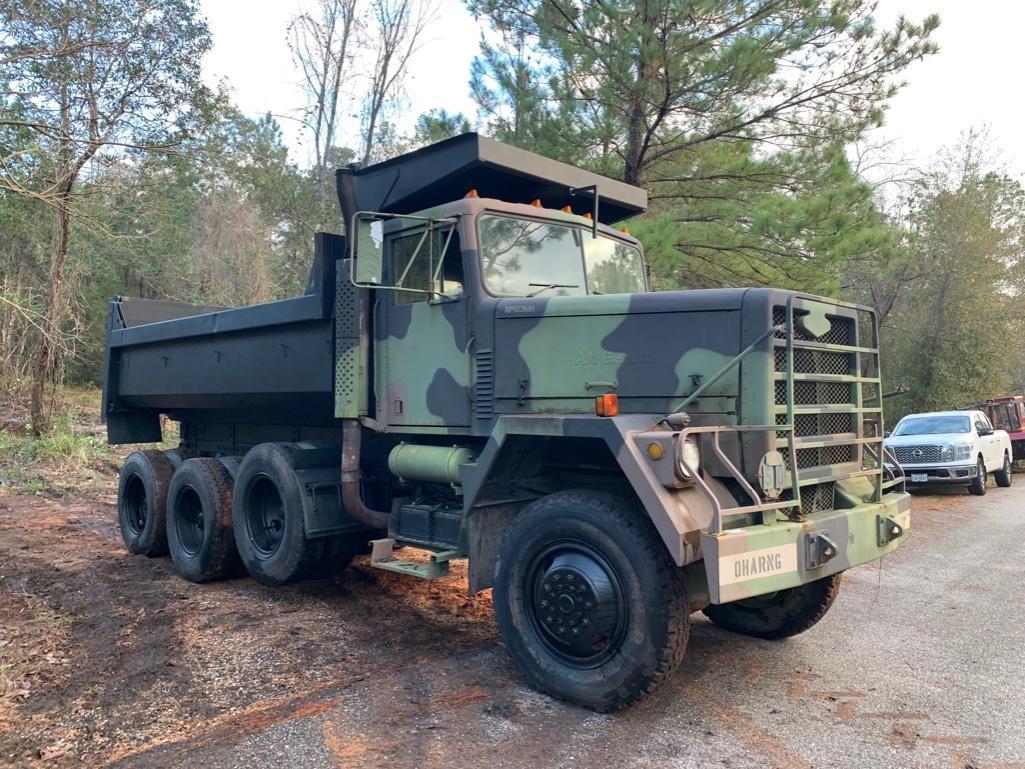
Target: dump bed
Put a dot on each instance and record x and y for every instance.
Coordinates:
(275, 359)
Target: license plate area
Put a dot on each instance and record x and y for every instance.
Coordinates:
(919, 477)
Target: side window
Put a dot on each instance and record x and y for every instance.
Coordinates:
(417, 263)
(982, 423)
(409, 268)
(1013, 424)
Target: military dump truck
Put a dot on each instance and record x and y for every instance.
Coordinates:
(479, 370)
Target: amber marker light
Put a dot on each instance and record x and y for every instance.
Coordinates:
(655, 450)
(536, 202)
(587, 215)
(472, 194)
(566, 209)
(606, 405)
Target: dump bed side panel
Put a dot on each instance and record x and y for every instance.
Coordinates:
(271, 363)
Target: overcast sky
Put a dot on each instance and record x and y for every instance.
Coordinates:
(972, 81)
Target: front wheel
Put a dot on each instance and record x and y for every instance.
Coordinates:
(590, 606)
(978, 484)
(1004, 474)
(781, 614)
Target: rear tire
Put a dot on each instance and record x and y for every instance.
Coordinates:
(267, 512)
(781, 614)
(199, 513)
(1003, 476)
(142, 502)
(590, 606)
(978, 484)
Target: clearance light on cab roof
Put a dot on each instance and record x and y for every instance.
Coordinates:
(536, 202)
(472, 194)
(624, 230)
(566, 209)
(606, 405)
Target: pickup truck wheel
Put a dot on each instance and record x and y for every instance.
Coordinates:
(142, 501)
(268, 518)
(589, 604)
(199, 532)
(781, 614)
(978, 484)
(1003, 476)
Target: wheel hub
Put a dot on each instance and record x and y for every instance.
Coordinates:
(577, 605)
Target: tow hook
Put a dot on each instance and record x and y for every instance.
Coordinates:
(818, 548)
(887, 530)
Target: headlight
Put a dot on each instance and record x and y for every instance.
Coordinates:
(687, 451)
(947, 455)
(963, 451)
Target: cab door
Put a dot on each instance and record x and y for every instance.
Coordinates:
(992, 448)
(421, 333)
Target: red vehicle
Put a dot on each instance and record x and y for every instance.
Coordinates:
(1008, 414)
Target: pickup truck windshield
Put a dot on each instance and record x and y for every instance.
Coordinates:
(522, 257)
(934, 425)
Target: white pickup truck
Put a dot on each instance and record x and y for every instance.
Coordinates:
(953, 448)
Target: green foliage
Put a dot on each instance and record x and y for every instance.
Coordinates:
(953, 330)
(733, 115)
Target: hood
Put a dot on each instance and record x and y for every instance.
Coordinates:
(931, 439)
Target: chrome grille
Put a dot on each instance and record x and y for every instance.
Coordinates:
(909, 454)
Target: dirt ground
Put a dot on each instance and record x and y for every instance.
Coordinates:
(104, 655)
(108, 659)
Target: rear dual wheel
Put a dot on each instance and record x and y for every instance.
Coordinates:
(199, 521)
(142, 501)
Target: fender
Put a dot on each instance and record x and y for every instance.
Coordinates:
(679, 515)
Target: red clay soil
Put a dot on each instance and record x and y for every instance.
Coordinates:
(104, 655)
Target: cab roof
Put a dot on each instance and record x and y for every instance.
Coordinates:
(447, 170)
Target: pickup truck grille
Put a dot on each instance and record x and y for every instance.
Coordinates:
(918, 454)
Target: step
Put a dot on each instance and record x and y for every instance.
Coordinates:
(382, 556)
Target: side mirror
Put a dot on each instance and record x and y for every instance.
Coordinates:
(887, 433)
(985, 431)
(366, 250)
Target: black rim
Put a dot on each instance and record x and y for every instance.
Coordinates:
(134, 504)
(576, 603)
(189, 521)
(265, 516)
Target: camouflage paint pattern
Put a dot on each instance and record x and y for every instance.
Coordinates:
(487, 368)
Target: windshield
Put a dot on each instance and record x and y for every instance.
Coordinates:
(934, 425)
(521, 257)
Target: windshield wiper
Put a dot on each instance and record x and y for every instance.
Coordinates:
(546, 286)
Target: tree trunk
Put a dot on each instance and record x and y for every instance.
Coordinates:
(49, 349)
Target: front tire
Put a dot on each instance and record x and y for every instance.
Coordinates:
(199, 530)
(781, 614)
(142, 502)
(1003, 476)
(978, 484)
(590, 606)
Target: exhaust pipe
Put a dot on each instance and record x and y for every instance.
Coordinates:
(352, 479)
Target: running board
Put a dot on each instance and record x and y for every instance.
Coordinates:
(382, 556)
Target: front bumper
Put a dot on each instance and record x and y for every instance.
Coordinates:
(763, 558)
(952, 475)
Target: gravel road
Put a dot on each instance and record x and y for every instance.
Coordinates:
(920, 663)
